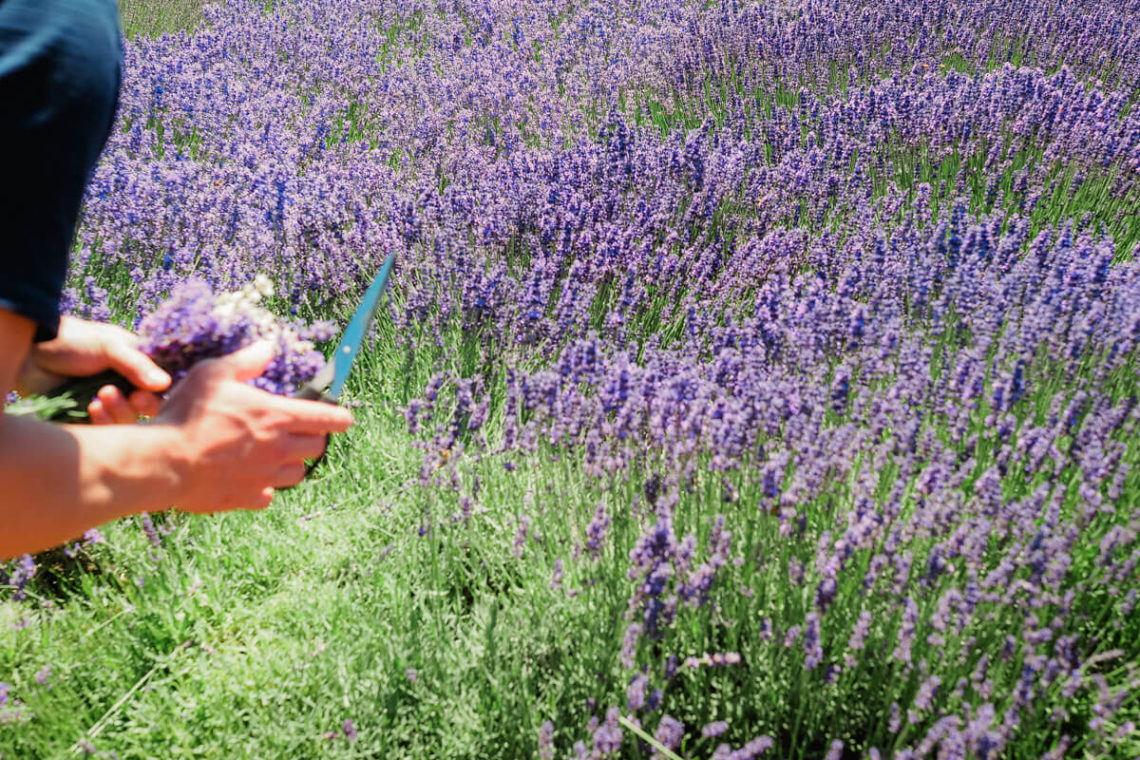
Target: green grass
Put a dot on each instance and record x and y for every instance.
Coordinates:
(151, 18)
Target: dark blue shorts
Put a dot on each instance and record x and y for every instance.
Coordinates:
(59, 84)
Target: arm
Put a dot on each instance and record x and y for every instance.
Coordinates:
(54, 484)
(61, 480)
(218, 444)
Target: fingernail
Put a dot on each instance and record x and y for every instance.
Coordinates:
(156, 377)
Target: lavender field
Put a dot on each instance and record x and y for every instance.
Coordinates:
(759, 379)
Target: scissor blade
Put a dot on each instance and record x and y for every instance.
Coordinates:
(341, 361)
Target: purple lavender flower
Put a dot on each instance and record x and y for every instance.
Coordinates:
(196, 324)
(860, 631)
(813, 648)
(546, 741)
(924, 699)
(150, 530)
(18, 575)
(825, 593)
(521, 533)
(596, 531)
(636, 692)
(629, 644)
(716, 728)
(608, 736)
(654, 700)
(670, 732)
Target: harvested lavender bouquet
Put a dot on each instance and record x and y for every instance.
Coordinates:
(195, 324)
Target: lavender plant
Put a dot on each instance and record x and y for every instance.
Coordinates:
(194, 324)
(760, 379)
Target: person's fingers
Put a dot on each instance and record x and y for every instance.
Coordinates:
(135, 366)
(144, 403)
(97, 414)
(289, 475)
(305, 446)
(115, 404)
(258, 500)
(246, 364)
(251, 499)
(314, 417)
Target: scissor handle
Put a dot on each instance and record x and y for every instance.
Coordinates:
(309, 393)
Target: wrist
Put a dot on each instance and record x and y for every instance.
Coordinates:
(133, 468)
(97, 474)
(173, 461)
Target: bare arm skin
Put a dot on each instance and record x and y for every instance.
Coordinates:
(216, 444)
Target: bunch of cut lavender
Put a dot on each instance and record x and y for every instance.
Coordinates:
(196, 323)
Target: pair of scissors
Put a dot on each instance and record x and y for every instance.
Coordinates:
(327, 385)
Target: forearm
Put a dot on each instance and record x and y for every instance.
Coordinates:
(60, 480)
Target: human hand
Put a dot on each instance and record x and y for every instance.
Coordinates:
(236, 444)
(85, 348)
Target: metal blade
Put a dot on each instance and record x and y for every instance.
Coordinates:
(341, 361)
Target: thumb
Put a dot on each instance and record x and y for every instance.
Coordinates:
(136, 367)
(247, 363)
